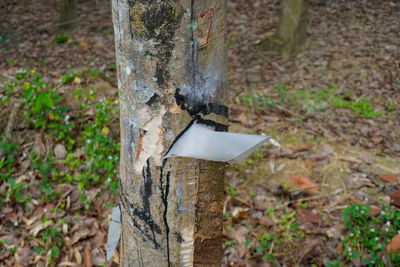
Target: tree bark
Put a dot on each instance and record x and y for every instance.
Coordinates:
(171, 61)
(291, 34)
(68, 14)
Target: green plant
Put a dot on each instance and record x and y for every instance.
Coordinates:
(229, 243)
(361, 107)
(312, 100)
(46, 172)
(303, 205)
(278, 237)
(289, 227)
(109, 31)
(94, 74)
(92, 149)
(369, 235)
(113, 67)
(7, 162)
(261, 100)
(13, 249)
(334, 263)
(66, 78)
(270, 212)
(16, 190)
(390, 107)
(263, 246)
(61, 39)
(101, 152)
(3, 37)
(232, 190)
(40, 106)
(54, 254)
(283, 92)
(51, 241)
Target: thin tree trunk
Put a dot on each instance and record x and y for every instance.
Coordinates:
(171, 61)
(68, 14)
(291, 34)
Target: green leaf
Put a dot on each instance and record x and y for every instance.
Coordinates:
(55, 252)
(334, 263)
(42, 100)
(48, 100)
(61, 39)
(66, 78)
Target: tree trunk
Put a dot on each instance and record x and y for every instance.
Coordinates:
(68, 14)
(171, 61)
(291, 35)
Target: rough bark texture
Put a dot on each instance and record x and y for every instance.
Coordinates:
(291, 35)
(171, 68)
(68, 14)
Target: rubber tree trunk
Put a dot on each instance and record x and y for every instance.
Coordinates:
(291, 34)
(68, 14)
(171, 61)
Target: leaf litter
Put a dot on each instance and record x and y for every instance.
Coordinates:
(340, 154)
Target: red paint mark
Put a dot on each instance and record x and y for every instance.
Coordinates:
(209, 13)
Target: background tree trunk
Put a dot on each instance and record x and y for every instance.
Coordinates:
(68, 14)
(171, 71)
(291, 34)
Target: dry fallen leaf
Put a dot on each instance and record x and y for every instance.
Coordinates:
(238, 211)
(39, 146)
(335, 231)
(268, 221)
(39, 226)
(374, 211)
(308, 164)
(304, 183)
(82, 234)
(77, 256)
(395, 198)
(262, 203)
(307, 216)
(88, 257)
(391, 178)
(238, 233)
(320, 156)
(394, 244)
(304, 147)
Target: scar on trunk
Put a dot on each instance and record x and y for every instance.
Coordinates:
(150, 142)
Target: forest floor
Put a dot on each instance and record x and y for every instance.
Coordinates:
(325, 194)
